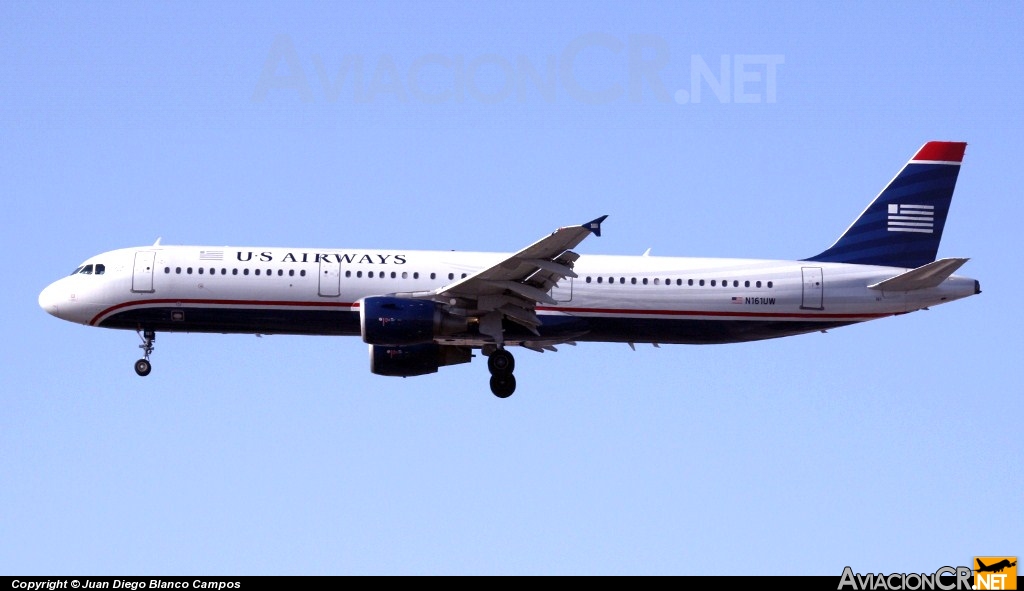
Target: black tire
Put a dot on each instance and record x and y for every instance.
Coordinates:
(503, 386)
(501, 363)
(143, 367)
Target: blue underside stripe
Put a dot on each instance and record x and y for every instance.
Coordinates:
(343, 323)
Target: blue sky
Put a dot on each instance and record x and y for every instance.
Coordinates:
(887, 446)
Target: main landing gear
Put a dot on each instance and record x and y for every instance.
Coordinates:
(143, 366)
(501, 363)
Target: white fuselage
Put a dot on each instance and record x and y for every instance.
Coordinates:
(613, 298)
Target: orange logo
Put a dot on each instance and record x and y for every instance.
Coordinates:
(995, 572)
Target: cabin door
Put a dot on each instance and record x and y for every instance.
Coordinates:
(812, 295)
(142, 275)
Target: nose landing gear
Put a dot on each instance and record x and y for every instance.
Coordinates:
(501, 363)
(143, 366)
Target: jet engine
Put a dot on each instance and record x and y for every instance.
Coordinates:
(415, 360)
(404, 321)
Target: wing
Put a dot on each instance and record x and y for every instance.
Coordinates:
(512, 288)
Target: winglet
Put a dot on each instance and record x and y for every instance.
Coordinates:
(595, 225)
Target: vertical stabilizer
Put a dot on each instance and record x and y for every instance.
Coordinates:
(902, 227)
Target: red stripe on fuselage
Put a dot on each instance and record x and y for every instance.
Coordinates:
(622, 311)
(582, 311)
(243, 303)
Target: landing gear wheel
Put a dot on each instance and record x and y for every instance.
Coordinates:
(503, 386)
(143, 367)
(501, 363)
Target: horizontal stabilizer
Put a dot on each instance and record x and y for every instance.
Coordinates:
(929, 275)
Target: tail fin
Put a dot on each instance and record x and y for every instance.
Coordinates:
(902, 227)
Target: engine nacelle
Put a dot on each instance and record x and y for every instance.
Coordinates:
(415, 360)
(405, 321)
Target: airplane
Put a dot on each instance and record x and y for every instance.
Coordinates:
(419, 311)
(994, 568)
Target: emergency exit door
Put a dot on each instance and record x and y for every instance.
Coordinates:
(330, 279)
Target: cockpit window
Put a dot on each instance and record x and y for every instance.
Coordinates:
(98, 269)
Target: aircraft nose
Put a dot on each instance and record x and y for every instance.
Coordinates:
(51, 298)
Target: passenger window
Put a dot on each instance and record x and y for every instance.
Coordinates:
(416, 275)
(359, 274)
(245, 271)
(702, 283)
(633, 280)
(600, 279)
(769, 284)
(746, 284)
(645, 281)
(167, 270)
(712, 283)
(451, 276)
(588, 279)
(188, 270)
(302, 273)
(758, 284)
(200, 270)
